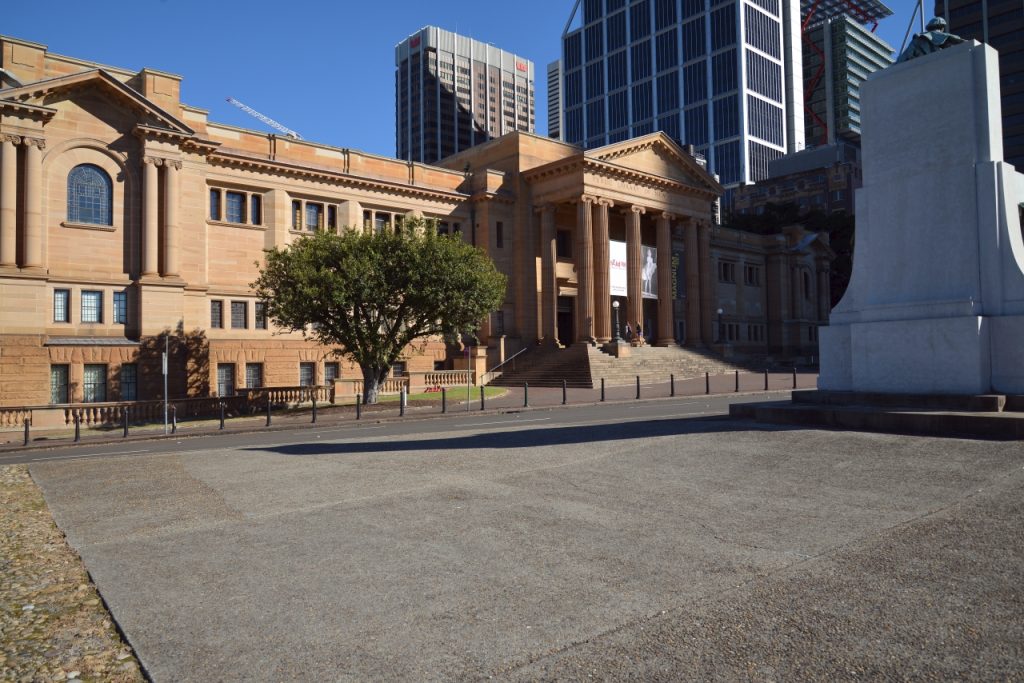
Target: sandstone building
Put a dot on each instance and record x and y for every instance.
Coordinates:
(125, 215)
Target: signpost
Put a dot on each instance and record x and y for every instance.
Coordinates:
(167, 347)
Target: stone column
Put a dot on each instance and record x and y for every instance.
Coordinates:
(708, 298)
(635, 307)
(549, 278)
(172, 233)
(585, 269)
(693, 293)
(602, 285)
(665, 336)
(150, 216)
(9, 200)
(34, 203)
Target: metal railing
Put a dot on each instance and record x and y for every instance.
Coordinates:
(490, 375)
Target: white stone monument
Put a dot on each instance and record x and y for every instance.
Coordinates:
(936, 300)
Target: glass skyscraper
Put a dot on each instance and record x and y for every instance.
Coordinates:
(722, 75)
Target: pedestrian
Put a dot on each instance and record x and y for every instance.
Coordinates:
(639, 334)
(629, 332)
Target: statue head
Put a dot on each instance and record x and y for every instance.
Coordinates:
(936, 24)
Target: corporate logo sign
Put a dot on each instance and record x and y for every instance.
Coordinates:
(617, 270)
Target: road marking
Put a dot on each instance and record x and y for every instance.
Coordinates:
(502, 422)
(88, 455)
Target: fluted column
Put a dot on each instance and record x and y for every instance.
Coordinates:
(585, 269)
(708, 299)
(172, 232)
(665, 336)
(34, 203)
(549, 278)
(150, 217)
(602, 285)
(635, 307)
(9, 199)
(693, 293)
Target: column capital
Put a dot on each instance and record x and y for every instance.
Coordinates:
(586, 199)
(605, 202)
(172, 163)
(38, 143)
(637, 209)
(667, 216)
(156, 161)
(8, 137)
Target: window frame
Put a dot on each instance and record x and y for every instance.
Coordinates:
(65, 385)
(120, 308)
(260, 316)
(217, 322)
(85, 215)
(132, 382)
(94, 392)
(66, 305)
(242, 306)
(90, 295)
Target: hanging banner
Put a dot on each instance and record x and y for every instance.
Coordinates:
(617, 270)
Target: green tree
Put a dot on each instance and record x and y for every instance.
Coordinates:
(371, 295)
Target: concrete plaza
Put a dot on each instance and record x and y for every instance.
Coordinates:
(645, 550)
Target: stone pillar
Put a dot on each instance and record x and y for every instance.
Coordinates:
(549, 279)
(33, 203)
(665, 336)
(150, 216)
(172, 232)
(602, 285)
(693, 293)
(708, 298)
(635, 307)
(585, 269)
(9, 200)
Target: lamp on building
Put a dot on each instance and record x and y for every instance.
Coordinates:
(721, 332)
(615, 307)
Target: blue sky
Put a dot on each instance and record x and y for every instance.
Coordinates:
(324, 69)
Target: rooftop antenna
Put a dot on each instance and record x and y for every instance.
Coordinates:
(265, 119)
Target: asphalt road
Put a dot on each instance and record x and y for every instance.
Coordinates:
(606, 542)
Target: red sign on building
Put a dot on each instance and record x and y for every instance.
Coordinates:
(520, 66)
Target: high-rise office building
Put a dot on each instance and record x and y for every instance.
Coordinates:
(453, 92)
(839, 54)
(724, 76)
(555, 99)
(999, 23)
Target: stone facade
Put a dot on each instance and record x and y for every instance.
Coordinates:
(193, 204)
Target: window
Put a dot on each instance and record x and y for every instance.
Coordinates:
(256, 209)
(90, 196)
(225, 379)
(92, 306)
(752, 275)
(381, 221)
(216, 314)
(129, 381)
(120, 308)
(261, 316)
(59, 384)
(254, 375)
(296, 214)
(726, 271)
(399, 369)
(307, 374)
(332, 218)
(239, 315)
(499, 323)
(214, 205)
(499, 235)
(332, 372)
(94, 384)
(563, 244)
(234, 207)
(61, 306)
(314, 216)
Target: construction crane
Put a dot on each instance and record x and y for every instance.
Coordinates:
(265, 119)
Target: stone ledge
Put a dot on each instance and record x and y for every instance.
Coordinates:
(985, 403)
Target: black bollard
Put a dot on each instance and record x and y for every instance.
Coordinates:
(638, 386)
(526, 394)
(671, 385)
(268, 408)
(565, 393)
(26, 431)
(359, 406)
(794, 377)
(314, 408)
(707, 382)
(444, 400)
(481, 398)
(602, 389)
(125, 420)
(401, 402)
(78, 428)
(766, 379)
(222, 414)
(174, 419)
(737, 381)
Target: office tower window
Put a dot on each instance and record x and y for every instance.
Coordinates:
(573, 50)
(668, 92)
(695, 82)
(727, 117)
(616, 28)
(573, 88)
(667, 50)
(643, 107)
(724, 76)
(618, 110)
(696, 124)
(761, 32)
(727, 161)
(640, 20)
(693, 39)
(595, 80)
(594, 41)
(595, 118)
(764, 76)
(641, 56)
(692, 8)
(723, 27)
(764, 120)
(664, 13)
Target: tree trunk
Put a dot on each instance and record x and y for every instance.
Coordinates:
(372, 378)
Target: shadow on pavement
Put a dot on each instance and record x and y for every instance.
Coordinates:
(552, 436)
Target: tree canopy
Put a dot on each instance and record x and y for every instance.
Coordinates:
(370, 295)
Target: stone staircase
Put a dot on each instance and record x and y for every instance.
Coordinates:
(584, 366)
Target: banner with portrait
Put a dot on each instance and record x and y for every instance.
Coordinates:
(617, 270)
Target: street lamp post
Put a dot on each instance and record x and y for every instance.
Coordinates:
(721, 336)
(615, 307)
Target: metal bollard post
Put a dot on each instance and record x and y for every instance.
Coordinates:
(526, 394)
(174, 419)
(707, 382)
(26, 432)
(78, 428)
(125, 420)
(314, 408)
(671, 385)
(401, 402)
(481, 398)
(638, 386)
(737, 381)
(222, 414)
(602, 389)
(565, 393)
(268, 408)
(766, 379)
(359, 406)
(444, 400)
(794, 377)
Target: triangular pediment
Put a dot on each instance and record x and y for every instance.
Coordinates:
(657, 155)
(44, 93)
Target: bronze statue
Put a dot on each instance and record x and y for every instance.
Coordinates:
(932, 40)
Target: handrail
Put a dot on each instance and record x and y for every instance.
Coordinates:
(489, 375)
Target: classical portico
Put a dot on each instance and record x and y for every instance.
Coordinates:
(639, 192)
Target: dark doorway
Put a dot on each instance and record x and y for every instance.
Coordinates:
(566, 320)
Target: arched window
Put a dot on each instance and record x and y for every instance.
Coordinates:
(90, 196)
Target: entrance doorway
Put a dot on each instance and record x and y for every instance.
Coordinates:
(566, 320)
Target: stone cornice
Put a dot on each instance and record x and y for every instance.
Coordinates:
(146, 132)
(31, 111)
(597, 167)
(231, 159)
